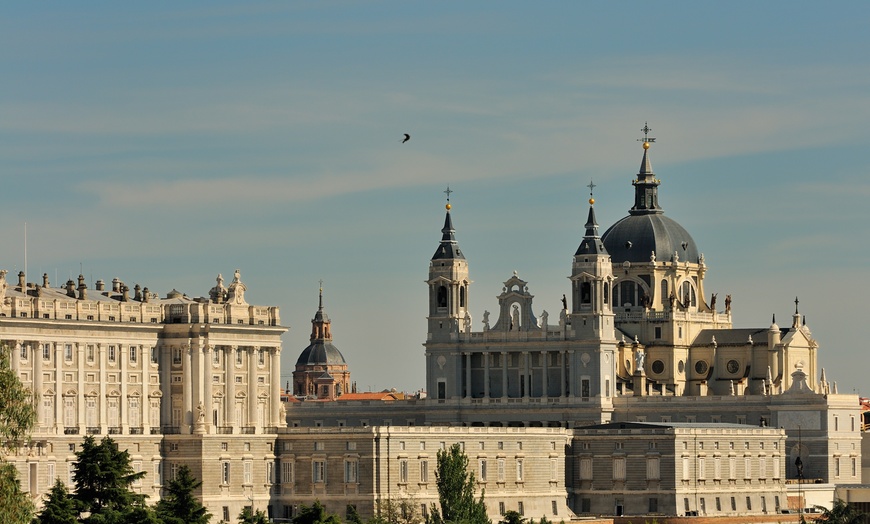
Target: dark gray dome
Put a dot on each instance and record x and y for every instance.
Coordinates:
(320, 352)
(635, 237)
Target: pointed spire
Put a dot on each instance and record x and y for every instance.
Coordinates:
(592, 244)
(449, 248)
(646, 197)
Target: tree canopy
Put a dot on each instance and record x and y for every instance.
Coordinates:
(456, 491)
(315, 514)
(17, 416)
(179, 505)
(103, 476)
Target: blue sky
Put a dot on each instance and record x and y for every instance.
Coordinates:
(164, 143)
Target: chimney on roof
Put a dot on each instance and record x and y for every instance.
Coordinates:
(138, 296)
(125, 293)
(101, 286)
(146, 295)
(21, 282)
(70, 288)
(116, 285)
(45, 280)
(83, 288)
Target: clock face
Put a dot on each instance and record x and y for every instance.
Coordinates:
(701, 367)
(732, 366)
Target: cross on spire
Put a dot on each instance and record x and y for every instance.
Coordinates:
(447, 192)
(646, 138)
(591, 186)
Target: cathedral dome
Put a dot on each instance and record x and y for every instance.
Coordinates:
(636, 237)
(320, 352)
(646, 230)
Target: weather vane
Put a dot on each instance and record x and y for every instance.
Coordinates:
(646, 138)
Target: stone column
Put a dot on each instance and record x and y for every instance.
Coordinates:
(504, 374)
(37, 381)
(275, 386)
(124, 402)
(16, 358)
(525, 380)
(468, 392)
(230, 393)
(544, 369)
(165, 353)
(104, 364)
(253, 421)
(486, 357)
(58, 392)
(80, 400)
(187, 389)
(208, 394)
(197, 375)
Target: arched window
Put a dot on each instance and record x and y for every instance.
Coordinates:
(626, 293)
(442, 296)
(687, 294)
(664, 288)
(585, 293)
(606, 291)
(462, 296)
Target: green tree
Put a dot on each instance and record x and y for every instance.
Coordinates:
(315, 514)
(249, 516)
(397, 511)
(17, 416)
(59, 508)
(512, 517)
(353, 515)
(841, 513)
(456, 491)
(103, 476)
(179, 505)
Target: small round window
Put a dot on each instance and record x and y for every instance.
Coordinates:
(700, 367)
(658, 367)
(733, 366)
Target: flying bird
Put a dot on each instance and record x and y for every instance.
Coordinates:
(407, 137)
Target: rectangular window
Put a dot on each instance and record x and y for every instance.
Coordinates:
(584, 388)
(134, 356)
(520, 508)
(249, 472)
(112, 353)
(153, 354)
(286, 472)
(319, 471)
(67, 352)
(24, 352)
(351, 467)
(173, 470)
(158, 473)
(554, 507)
(46, 352)
(501, 470)
(482, 470)
(718, 504)
(619, 469)
(653, 469)
(733, 504)
(586, 468)
(424, 471)
(238, 357)
(216, 357)
(653, 505)
(520, 470)
(748, 503)
(747, 468)
(585, 505)
(501, 510)
(403, 471)
(854, 467)
(225, 472)
(261, 358)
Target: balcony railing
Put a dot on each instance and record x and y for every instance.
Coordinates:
(135, 431)
(224, 430)
(156, 431)
(91, 430)
(171, 430)
(114, 430)
(70, 430)
(248, 430)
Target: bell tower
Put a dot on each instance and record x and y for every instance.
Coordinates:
(448, 286)
(592, 284)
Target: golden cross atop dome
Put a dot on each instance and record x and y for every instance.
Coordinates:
(647, 140)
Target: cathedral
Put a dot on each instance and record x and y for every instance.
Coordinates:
(638, 397)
